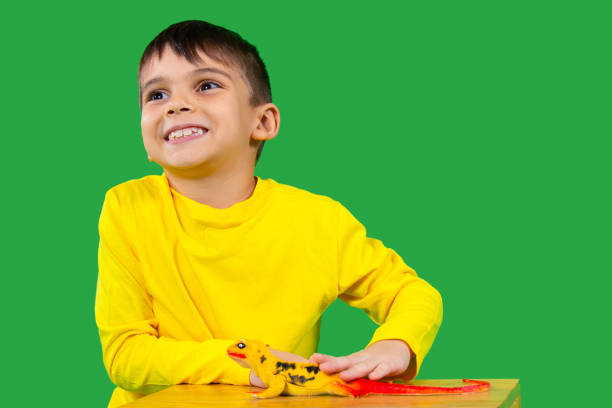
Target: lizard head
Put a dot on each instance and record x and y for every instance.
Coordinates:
(248, 353)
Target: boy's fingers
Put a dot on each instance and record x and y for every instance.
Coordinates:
(255, 380)
(379, 372)
(319, 358)
(357, 371)
(335, 364)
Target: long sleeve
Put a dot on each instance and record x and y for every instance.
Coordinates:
(374, 278)
(135, 356)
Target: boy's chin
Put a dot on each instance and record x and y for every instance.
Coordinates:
(186, 168)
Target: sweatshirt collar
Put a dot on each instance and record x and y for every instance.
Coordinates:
(188, 209)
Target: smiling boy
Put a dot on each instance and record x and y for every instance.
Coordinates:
(216, 166)
(207, 253)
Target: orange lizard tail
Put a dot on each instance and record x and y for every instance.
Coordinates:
(362, 386)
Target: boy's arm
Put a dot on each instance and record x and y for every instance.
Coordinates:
(375, 278)
(135, 356)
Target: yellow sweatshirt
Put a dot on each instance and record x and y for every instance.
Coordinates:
(179, 281)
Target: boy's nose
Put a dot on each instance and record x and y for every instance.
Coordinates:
(178, 106)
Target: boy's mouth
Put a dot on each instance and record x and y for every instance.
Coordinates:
(184, 134)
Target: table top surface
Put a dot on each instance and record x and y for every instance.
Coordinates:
(503, 393)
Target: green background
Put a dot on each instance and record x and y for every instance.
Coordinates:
(471, 137)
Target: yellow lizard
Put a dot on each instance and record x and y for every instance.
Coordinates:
(294, 378)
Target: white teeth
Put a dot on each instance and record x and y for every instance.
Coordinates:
(185, 132)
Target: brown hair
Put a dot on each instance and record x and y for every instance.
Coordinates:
(227, 47)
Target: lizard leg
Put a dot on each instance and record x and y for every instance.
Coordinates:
(293, 389)
(275, 388)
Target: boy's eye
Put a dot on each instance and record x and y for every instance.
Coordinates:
(156, 95)
(206, 85)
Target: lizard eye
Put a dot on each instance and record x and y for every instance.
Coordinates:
(241, 345)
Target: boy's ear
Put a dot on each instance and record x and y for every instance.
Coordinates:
(268, 122)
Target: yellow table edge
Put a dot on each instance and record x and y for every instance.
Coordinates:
(191, 395)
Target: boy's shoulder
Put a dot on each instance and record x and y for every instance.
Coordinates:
(300, 194)
(147, 187)
(292, 201)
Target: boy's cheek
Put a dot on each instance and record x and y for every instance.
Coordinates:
(150, 115)
(148, 127)
(145, 121)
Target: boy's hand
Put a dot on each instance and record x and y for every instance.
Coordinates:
(385, 358)
(283, 355)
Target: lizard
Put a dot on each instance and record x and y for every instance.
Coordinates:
(305, 379)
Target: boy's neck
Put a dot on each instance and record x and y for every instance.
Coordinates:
(218, 191)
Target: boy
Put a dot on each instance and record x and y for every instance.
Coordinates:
(206, 253)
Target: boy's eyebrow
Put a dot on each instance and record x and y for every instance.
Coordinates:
(194, 72)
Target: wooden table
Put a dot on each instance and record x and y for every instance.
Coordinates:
(503, 393)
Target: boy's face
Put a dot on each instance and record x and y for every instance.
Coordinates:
(208, 99)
